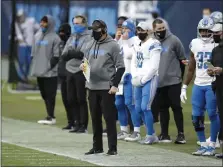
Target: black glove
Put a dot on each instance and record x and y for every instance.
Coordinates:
(54, 61)
(73, 54)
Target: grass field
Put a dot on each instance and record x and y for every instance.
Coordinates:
(13, 155)
(17, 107)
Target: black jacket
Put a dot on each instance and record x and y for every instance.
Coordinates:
(217, 61)
(62, 64)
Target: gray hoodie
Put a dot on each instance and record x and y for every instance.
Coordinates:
(45, 46)
(104, 58)
(172, 53)
(76, 42)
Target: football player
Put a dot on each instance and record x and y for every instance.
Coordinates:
(124, 98)
(145, 65)
(203, 97)
(217, 17)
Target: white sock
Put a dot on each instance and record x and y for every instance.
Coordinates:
(137, 129)
(124, 128)
(204, 144)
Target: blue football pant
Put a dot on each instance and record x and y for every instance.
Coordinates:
(24, 59)
(126, 100)
(203, 99)
(143, 99)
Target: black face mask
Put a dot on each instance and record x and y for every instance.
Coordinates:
(64, 38)
(142, 36)
(96, 35)
(161, 34)
(217, 38)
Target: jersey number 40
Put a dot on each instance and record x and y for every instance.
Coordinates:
(203, 58)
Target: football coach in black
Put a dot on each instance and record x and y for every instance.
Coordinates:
(106, 70)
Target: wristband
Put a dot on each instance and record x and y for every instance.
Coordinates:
(184, 86)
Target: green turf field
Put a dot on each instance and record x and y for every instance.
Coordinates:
(17, 107)
(13, 155)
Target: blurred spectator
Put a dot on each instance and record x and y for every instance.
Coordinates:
(45, 56)
(156, 15)
(73, 54)
(118, 34)
(170, 78)
(206, 12)
(64, 33)
(26, 27)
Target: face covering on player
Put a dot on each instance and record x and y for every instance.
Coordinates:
(79, 28)
(64, 37)
(161, 34)
(96, 35)
(217, 38)
(44, 29)
(142, 36)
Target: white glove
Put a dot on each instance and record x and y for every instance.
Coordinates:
(136, 81)
(183, 95)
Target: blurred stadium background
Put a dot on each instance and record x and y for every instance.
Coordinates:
(182, 17)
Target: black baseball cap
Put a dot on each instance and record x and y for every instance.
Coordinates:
(98, 24)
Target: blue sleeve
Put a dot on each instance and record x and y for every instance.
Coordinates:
(155, 46)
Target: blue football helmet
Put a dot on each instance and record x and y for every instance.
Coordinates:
(217, 17)
(204, 29)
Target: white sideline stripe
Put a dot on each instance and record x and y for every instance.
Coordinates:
(10, 90)
(51, 152)
(33, 98)
(53, 140)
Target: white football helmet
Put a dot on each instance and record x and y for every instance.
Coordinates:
(217, 17)
(217, 27)
(204, 29)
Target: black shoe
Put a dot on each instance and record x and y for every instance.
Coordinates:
(164, 138)
(82, 130)
(180, 139)
(155, 120)
(93, 151)
(68, 127)
(75, 129)
(111, 153)
(219, 156)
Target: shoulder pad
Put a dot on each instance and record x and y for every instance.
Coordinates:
(192, 43)
(155, 45)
